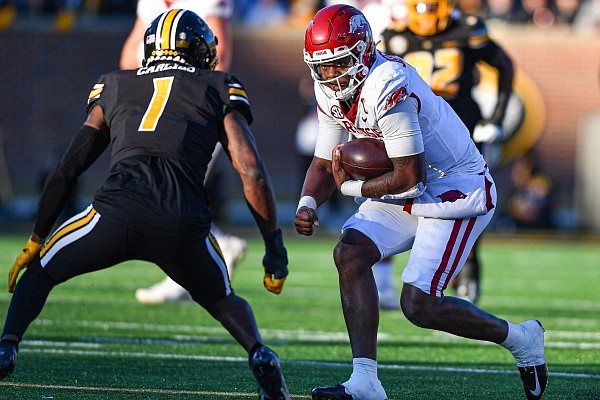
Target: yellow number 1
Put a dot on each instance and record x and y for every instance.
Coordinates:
(162, 90)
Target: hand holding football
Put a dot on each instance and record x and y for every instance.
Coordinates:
(365, 158)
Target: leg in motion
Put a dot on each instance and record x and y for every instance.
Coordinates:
(235, 314)
(354, 256)
(27, 302)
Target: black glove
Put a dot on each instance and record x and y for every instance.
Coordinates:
(275, 262)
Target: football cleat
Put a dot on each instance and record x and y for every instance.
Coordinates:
(233, 248)
(534, 380)
(162, 292)
(337, 392)
(532, 362)
(467, 282)
(8, 357)
(389, 299)
(266, 369)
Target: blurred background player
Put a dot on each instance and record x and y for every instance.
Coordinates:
(217, 14)
(445, 46)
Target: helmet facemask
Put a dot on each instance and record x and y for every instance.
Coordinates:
(351, 58)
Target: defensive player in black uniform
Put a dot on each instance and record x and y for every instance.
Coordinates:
(445, 46)
(163, 121)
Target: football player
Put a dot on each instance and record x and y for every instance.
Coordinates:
(445, 46)
(163, 121)
(436, 202)
(217, 14)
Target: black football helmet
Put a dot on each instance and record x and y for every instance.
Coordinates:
(180, 36)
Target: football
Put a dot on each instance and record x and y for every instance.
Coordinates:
(365, 158)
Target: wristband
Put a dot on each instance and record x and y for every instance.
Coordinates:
(307, 201)
(352, 188)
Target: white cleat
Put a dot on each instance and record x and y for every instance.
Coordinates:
(531, 360)
(233, 248)
(164, 291)
(389, 299)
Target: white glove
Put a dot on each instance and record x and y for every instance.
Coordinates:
(487, 133)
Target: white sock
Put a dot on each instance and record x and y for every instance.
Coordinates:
(517, 344)
(364, 383)
(384, 274)
(514, 339)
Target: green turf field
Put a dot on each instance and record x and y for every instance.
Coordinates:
(94, 341)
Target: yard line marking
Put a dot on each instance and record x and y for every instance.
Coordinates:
(188, 357)
(287, 333)
(137, 390)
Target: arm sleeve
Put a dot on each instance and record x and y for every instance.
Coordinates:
(85, 148)
(502, 62)
(401, 131)
(330, 134)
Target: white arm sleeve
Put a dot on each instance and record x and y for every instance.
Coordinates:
(331, 133)
(401, 130)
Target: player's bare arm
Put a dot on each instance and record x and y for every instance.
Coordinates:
(240, 146)
(129, 53)
(408, 172)
(319, 185)
(221, 27)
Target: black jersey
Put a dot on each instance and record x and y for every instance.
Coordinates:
(447, 60)
(165, 121)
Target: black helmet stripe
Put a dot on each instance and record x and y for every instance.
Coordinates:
(167, 29)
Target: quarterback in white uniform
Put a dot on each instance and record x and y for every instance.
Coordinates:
(436, 202)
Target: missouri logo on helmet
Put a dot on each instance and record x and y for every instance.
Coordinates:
(180, 36)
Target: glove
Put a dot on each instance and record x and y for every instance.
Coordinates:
(31, 250)
(275, 262)
(487, 133)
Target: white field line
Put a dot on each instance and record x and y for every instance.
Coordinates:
(188, 357)
(582, 340)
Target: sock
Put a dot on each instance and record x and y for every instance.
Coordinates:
(516, 343)
(384, 274)
(514, 339)
(363, 382)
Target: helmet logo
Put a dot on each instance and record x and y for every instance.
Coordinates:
(357, 22)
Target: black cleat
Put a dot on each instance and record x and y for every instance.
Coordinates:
(531, 361)
(337, 392)
(266, 368)
(534, 381)
(8, 357)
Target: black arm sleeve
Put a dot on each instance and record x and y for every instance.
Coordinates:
(502, 62)
(85, 148)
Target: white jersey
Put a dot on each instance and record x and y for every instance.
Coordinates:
(396, 105)
(147, 10)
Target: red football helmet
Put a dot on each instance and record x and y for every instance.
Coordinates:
(336, 32)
